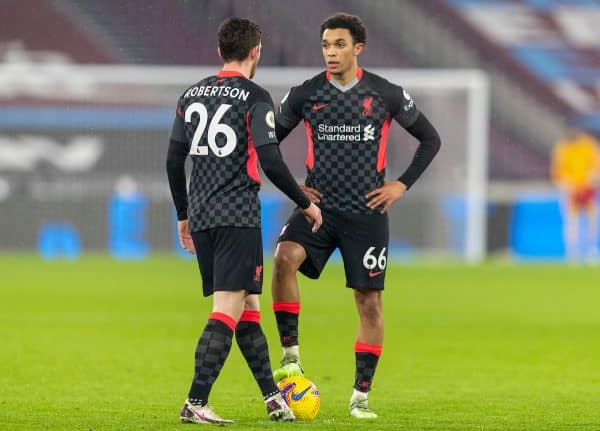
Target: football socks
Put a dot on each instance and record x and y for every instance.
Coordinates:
(286, 314)
(367, 356)
(253, 345)
(212, 350)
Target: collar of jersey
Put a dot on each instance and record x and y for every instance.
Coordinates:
(229, 74)
(348, 86)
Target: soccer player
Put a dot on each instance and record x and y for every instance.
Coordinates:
(576, 172)
(226, 124)
(347, 113)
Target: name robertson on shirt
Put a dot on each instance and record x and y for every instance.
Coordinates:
(214, 91)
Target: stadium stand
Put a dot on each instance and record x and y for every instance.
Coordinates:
(182, 32)
(20, 23)
(543, 59)
(554, 43)
(518, 148)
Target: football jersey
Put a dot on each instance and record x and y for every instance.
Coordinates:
(576, 161)
(346, 130)
(223, 119)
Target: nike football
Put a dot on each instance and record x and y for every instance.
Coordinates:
(301, 395)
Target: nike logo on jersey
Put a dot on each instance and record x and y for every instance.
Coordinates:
(375, 274)
(321, 106)
(298, 396)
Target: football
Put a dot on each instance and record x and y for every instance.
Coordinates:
(301, 395)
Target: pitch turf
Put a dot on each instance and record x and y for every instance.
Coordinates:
(104, 345)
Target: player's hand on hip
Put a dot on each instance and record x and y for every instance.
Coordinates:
(185, 239)
(386, 195)
(313, 194)
(313, 215)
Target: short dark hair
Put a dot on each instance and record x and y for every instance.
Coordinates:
(352, 23)
(237, 36)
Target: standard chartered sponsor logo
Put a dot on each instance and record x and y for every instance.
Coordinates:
(345, 133)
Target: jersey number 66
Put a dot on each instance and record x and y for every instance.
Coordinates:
(370, 261)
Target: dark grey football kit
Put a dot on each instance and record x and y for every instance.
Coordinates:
(226, 124)
(347, 129)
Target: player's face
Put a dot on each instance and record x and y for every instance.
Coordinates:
(339, 50)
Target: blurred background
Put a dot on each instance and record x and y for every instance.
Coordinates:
(88, 90)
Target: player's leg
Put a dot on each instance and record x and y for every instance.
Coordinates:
(299, 249)
(367, 349)
(363, 246)
(286, 304)
(253, 345)
(571, 227)
(212, 350)
(592, 234)
(214, 344)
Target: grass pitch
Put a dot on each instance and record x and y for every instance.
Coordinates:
(103, 345)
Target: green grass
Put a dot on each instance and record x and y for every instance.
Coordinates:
(104, 345)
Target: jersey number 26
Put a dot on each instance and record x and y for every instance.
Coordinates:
(213, 130)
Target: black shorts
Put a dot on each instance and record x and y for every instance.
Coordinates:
(230, 258)
(362, 240)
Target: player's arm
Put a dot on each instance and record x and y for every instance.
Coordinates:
(416, 123)
(277, 171)
(559, 170)
(596, 162)
(405, 112)
(289, 113)
(176, 156)
(267, 148)
(179, 148)
(429, 145)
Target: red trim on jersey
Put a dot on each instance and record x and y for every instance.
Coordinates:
(310, 150)
(250, 316)
(290, 307)
(223, 318)
(368, 348)
(382, 151)
(359, 74)
(229, 74)
(252, 162)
